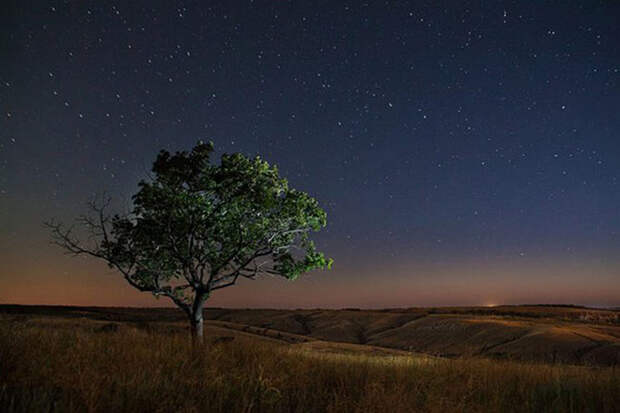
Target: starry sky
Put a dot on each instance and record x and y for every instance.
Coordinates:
(467, 153)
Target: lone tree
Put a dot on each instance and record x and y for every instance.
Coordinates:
(197, 227)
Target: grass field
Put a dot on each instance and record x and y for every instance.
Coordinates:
(552, 334)
(54, 363)
(566, 334)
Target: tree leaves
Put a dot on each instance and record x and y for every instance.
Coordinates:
(197, 227)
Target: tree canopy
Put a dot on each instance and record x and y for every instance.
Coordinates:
(197, 227)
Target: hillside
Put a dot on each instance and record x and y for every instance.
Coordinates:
(123, 360)
(540, 333)
(566, 334)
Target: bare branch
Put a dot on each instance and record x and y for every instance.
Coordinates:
(228, 284)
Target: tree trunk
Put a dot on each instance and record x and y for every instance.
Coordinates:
(196, 320)
(197, 330)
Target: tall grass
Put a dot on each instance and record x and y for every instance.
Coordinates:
(48, 367)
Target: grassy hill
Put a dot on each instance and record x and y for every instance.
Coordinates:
(566, 334)
(100, 360)
(538, 333)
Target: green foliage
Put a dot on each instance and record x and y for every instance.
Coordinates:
(197, 226)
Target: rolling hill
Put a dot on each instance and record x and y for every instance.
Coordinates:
(560, 334)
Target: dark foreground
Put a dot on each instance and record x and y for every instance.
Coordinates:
(102, 364)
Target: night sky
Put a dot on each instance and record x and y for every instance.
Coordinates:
(467, 153)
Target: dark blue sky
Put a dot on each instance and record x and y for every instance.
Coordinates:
(466, 152)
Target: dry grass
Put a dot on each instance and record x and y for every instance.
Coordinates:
(567, 334)
(525, 333)
(85, 366)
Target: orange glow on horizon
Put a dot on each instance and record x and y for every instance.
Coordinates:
(86, 284)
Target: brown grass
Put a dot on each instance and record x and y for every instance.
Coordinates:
(566, 334)
(525, 333)
(87, 366)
